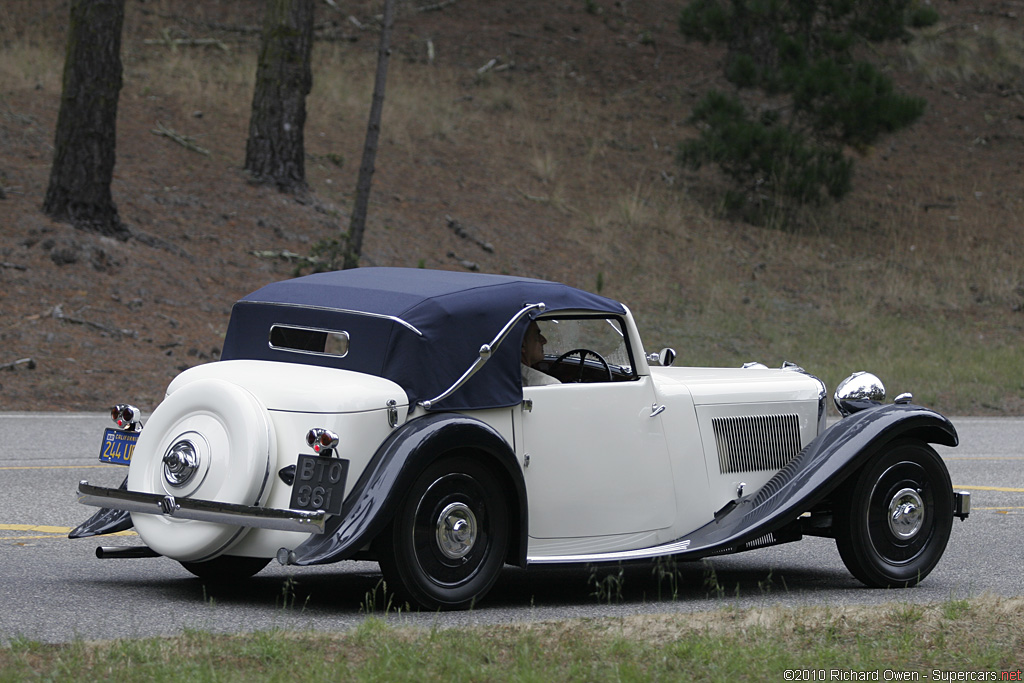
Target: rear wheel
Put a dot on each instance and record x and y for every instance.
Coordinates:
(893, 522)
(447, 542)
(227, 567)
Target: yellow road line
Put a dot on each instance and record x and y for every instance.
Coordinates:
(49, 531)
(1005, 489)
(36, 528)
(24, 538)
(54, 536)
(57, 467)
(992, 457)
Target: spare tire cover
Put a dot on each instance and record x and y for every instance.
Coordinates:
(229, 441)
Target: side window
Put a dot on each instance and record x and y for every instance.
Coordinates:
(586, 349)
(309, 340)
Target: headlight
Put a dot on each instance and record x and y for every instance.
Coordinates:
(858, 391)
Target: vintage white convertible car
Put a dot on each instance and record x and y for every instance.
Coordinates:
(381, 413)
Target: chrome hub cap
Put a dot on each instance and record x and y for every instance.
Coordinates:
(180, 463)
(456, 531)
(906, 514)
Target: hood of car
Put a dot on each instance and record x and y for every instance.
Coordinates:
(718, 386)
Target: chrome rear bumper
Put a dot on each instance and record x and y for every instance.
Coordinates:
(202, 510)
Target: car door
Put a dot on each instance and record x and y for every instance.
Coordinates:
(598, 460)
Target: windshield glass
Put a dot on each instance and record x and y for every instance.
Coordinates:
(604, 336)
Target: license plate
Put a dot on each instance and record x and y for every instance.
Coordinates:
(319, 483)
(118, 446)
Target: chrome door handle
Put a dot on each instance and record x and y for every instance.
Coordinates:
(657, 410)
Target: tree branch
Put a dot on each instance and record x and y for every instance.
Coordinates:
(183, 140)
(30, 363)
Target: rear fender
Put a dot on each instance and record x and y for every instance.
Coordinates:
(817, 472)
(105, 521)
(392, 471)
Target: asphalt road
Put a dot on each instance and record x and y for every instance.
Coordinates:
(54, 589)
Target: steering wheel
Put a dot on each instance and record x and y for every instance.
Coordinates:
(582, 353)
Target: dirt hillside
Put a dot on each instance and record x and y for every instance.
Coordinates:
(528, 137)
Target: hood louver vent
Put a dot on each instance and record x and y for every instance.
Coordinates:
(754, 444)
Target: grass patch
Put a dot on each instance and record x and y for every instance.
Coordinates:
(981, 634)
(993, 56)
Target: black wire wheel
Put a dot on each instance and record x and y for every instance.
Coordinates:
(227, 567)
(894, 520)
(447, 542)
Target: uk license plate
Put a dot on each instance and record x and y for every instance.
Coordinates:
(118, 446)
(319, 484)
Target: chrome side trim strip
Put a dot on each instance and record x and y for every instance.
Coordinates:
(202, 510)
(623, 556)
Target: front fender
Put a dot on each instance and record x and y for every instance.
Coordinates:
(394, 468)
(821, 467)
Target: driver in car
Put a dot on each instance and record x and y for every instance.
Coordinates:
(532, 354)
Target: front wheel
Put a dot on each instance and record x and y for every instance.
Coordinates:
(893, 522)
(447, 542)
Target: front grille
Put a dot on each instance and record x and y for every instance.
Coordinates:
(756, 443)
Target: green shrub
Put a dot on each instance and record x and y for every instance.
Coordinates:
(802, 51)
(923, 17)
(763, 156)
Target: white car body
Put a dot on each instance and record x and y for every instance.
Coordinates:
(448, 467)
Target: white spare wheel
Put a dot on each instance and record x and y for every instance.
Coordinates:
(209, 440)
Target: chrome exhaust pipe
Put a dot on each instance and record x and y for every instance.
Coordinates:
(123, 552)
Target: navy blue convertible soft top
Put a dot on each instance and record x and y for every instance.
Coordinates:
(419, 328)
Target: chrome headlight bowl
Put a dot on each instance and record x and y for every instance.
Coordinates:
(858, 391)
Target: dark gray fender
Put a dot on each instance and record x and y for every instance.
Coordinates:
(815, 473)
(392, 471)
(105, 521)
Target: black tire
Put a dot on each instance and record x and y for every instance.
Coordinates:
(893, 521)
(227, 567)
(446, 544)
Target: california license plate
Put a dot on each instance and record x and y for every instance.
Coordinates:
(319, 483)
(118, 446)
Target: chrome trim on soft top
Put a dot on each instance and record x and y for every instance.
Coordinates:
(308, 307)
(201, 510)
(485, 353)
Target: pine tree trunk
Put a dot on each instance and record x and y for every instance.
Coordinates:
(275, 150)
(354, 243)
(84, 145)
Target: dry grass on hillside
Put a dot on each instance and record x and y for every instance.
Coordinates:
(561, 156)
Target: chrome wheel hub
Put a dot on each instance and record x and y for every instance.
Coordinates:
(456, 531)
(906, 514)
(180, 463)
